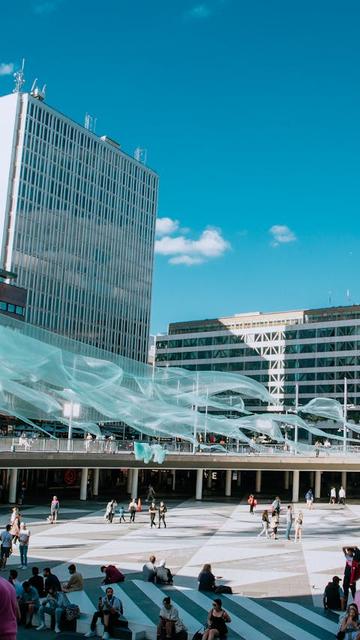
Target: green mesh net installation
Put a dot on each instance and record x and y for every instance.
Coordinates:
(42, 372)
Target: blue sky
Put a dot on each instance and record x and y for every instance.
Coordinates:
(250, 113)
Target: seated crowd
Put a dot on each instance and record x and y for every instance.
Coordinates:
(44, 594)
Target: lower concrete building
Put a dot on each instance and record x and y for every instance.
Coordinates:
(297, 355)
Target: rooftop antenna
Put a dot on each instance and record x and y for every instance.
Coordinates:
(90, 122)
(140, 155)
(37, 93)
(19, 78)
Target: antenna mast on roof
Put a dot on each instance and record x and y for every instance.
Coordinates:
(140, 155)
(90, 122)
(19, 78)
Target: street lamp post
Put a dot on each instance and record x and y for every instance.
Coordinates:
(71, 410)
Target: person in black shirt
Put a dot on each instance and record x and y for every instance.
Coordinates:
(37, 581)
(334, 595)
(51, 581)
(206, 579)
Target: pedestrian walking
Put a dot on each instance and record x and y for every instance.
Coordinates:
(110, 511)
(54, 510)
(342, 495)
(252, 502)
(15, 527)
(151, 493)
(162, 513)
(121, 514)
(152, 513)
(351, 571)
(333, 495)
(24, 537)
(298, 526)
(289, 521)
(265, 522)
(274, 523)
(309, 499)
(6, 546)
(22, 491)
(132, 509)
(276, 505)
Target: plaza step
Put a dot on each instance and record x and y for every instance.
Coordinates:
(252, 618)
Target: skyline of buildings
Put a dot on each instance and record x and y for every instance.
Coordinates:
(77, 223)
(297, 355)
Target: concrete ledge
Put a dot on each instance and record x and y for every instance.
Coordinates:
(36, 460)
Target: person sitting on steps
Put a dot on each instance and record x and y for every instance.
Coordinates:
(109, 610)
(170, 625)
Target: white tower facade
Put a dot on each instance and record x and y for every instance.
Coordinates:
(77, 224)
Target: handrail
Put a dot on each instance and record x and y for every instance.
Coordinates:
(125, 447)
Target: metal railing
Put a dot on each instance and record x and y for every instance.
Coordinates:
(126, 447)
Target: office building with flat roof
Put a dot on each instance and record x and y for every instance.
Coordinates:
(306, 353)
(77, 224)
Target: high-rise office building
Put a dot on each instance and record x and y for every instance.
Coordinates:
(77, 224)
(297, 355)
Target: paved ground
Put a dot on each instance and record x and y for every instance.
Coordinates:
(274, 574)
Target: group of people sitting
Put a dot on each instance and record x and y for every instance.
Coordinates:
(158, 573)
(44, 594)
(171, 626)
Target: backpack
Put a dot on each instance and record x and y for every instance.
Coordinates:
(72, 612)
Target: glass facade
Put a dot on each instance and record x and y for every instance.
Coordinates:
(82, 237)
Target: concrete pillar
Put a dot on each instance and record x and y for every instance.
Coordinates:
(199, 484)
(13, 485)
(129, 481)
(238, 479)
(258, 481)
(343, 479)
(312, 479)
(286, 480)
(83, 483)
(135, 483)
(317, 484)
(296, 482)
(209, 479)
(228, 483)
(173, 479)
(96, 482)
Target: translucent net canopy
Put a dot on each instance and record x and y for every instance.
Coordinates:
(41, 373)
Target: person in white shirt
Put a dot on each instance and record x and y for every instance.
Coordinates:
(342, 495)
(333, 495)
(24, 537)
(170, 622)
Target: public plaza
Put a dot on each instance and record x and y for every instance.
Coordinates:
(277, 585)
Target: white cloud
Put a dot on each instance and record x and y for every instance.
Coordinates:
(199, 12)
(166, 226)
(183, 250)
(6, 68)
(281, 234)
(188, 260)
